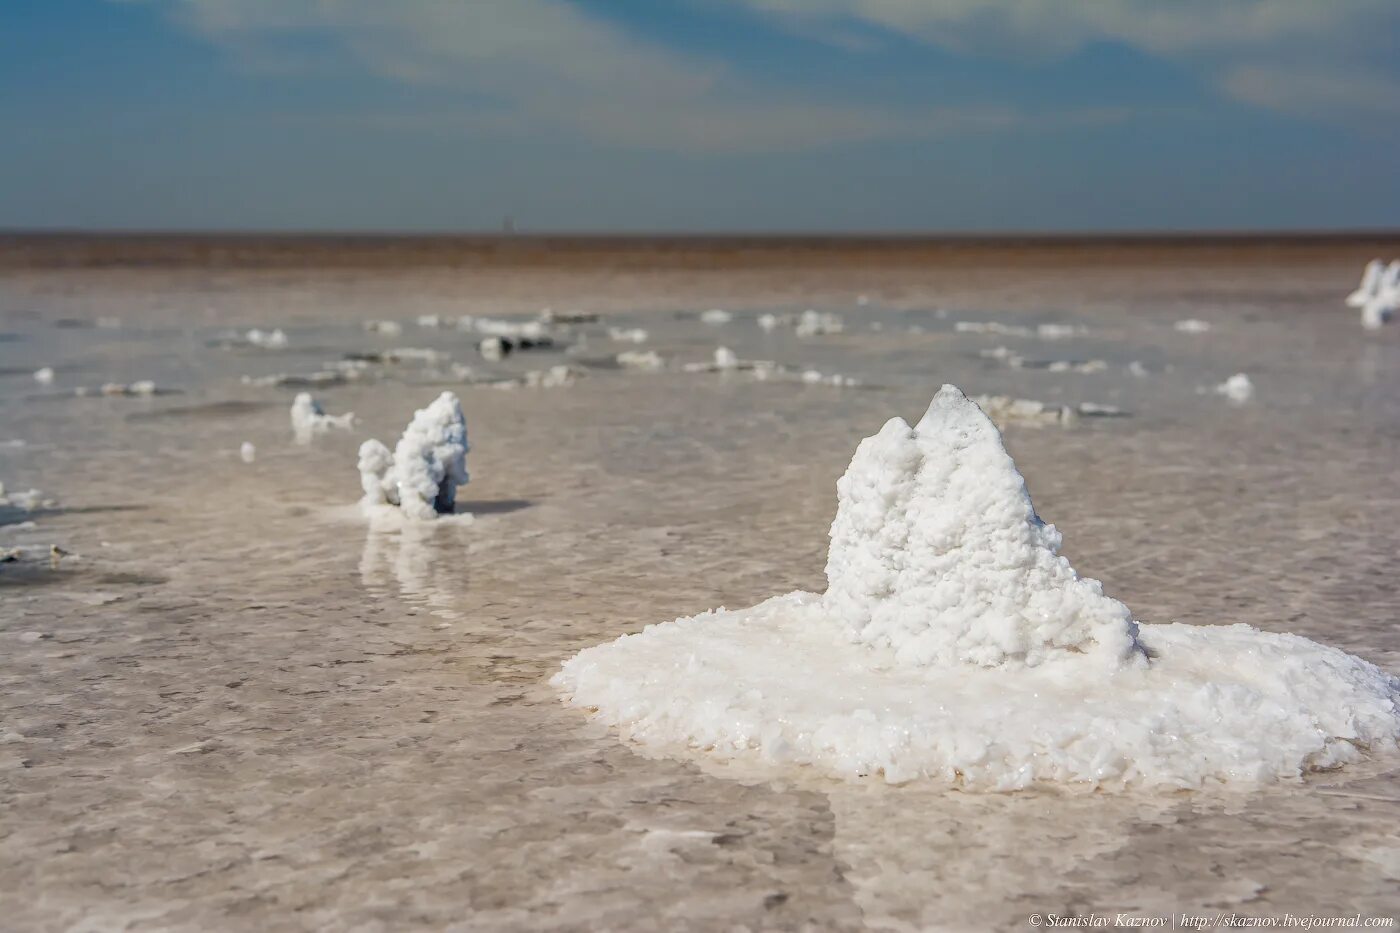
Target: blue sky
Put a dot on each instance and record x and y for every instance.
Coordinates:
(704, 115)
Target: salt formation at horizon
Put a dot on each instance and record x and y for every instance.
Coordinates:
(1378, 296)
(954, 644)
(429, 463)
(309, 419)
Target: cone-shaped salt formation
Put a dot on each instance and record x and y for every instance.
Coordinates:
(428, 464)
(937, 552)
(953, 643)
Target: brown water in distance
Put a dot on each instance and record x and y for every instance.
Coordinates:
(234, 706)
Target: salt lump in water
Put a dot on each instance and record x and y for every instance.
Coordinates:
(422, 474)
(954, 644)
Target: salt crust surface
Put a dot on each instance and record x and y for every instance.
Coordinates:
(953, 644)
(420, 477)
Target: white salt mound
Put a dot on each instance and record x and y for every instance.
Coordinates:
(309, 419)
(429, 462)
(1237, 388)
(954, 644)
(1192, 326)
(247, 452)
(715, 317)
(44, 376)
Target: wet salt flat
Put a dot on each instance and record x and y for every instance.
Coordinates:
(234, 704)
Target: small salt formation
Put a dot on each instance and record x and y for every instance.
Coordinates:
(44, 376)
(1370, 284)
(812, 323)
(525, 330)
(715, 317)
(1192, 326)
(427, 466)
(550, 316)
(726, 358)
(1382, 298)
(1237, 388)
(992, 327)
(142, 388)
(1138, 369)
(641, 359)
(432, 321)
(495, 348)
(247, 452)
(813, 377)
(954, 644)
(1057, 331)
(769, 322)
(28, 500)
(627, 334)
(387, 328)
(268, 340)
(1005, 410)
(350, 369)
(555, 377)
(309, 419)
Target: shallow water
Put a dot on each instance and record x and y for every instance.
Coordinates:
(233, 705)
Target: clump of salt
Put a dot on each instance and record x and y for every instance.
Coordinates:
(1192, 325)
(715, 317)
(955, 644)
(44, 376)
(1238, 388)
(309, 419)
(427, 465)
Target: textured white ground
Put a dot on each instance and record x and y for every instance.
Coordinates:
(955, 644)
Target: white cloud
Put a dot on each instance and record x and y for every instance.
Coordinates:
(547, 64)
(1319, 57)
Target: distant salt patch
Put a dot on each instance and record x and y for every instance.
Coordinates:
(1017, 361)
(142, 388)
(247, 452)
(1005, 410)
(568, 318)
(1042, 331)
(267, 339)
(648, 360)
(1238, 388)
(27, 500)
(715, 317)
(1192, 326)
(421, 476)
(955, 645)
(310, 420)
(1378, 296)
(384, 328)
(812, 323)
(497, 348)
(809, 323)
(555, 377)
(627, 335)
(44, 376)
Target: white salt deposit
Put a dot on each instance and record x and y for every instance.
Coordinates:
(715, 317)
(1383, 300)
(326, 377)
(492, 348)
(26, 499)
(1237, 388)
(1192, 326)
(44, 376)
(812, 323)
(309, 419)
(493, 327)
(768, 322)
(247, 452)
(1005, 410)
(427, 466)
(268, 340)
(726, 358)
(817, 378)
(641, 359)
(954, 644)
(387, 328)
(627, 334)
(1370, 282)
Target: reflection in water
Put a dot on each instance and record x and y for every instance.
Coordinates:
(419, 558)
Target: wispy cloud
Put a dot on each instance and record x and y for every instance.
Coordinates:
(547, 64)
(1315, 57)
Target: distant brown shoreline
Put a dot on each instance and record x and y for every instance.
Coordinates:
(274, 251)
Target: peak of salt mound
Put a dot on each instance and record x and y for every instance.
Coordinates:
(429, 462)
(937, 552)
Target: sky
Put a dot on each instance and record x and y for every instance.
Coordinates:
(700, 115)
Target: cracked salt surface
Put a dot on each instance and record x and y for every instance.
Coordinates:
(954, 644)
